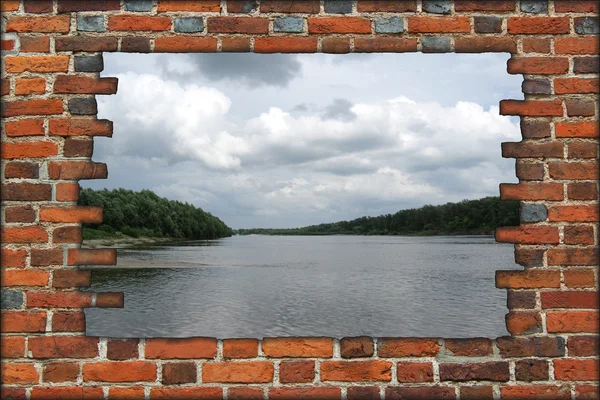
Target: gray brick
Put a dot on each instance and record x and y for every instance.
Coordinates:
(11, 298)
(89, 63)
(83, 106)
(488, 24)
(587, 25)
(534, 6)
(435, 44)
(289, 24)
(437, 6)
(389, 25)
(189, 25)
(90, 23)
(138, 5)
(338, 6)
(533, 213)
(536, 86)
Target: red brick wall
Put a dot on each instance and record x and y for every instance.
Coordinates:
(47, 148)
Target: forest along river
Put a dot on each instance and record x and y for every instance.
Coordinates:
(256, 286)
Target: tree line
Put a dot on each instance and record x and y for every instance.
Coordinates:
(481, 216)
(144, 213)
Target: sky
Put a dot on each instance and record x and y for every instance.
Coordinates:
(288, 140)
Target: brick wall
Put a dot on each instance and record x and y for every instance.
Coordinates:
(52, 56)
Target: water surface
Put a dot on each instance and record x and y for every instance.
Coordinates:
(256, 286)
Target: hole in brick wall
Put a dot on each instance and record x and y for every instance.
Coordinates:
(281, 141)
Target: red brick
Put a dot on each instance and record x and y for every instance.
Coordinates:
(585, 129)
(528, 279)
(581, 6)
(520, 322)
(135, 45)
(356, 371)
(38, 6)
(63, 346)
(185, 44)
(10, 5)
(531, 370)
(476, 347)
(27, 86)
(532, 149)
(235, 44)
(540, 346)
(582, 191)
(67, 234)
(529, 258)
(386, 6)
(60, 372)
(355, 347)
(20, 64)
(407, 347)
(532, 191)
(237, 372)
(86, 43)
(572, 299)
(68, 322)
(572, 321)
(23, 321)
(138, 23)
(324, 393)
(214, 393)
(12, 347)
(241, 6)
(34, 44)
(240, 348)
(92, 215)
(527, 235)
(583, 346)
(335, 45)
(77, 170)
(580, 108)
(296, 371)
(298, 347)
(565, 257)
(45, 257)
(439, 25)
(520, 299)
(181, 348)
(532, 108)
(576, 45)
(245, 393)
(538, 65)
(576, 370)
(66, 392)
(285, 45)
(13, 258)
(4, 87)
(535, 392)
(24, 277)
(485, 45)
(179, 373)
(20, 169)
(535, 129)
(69, 278)
(133, 392)
(330, 25)
(78, 148)
(574, 171)
(238, 25)
(122, 349)
(579, 278)
(484, 5)
(119, 371)
(575, 86)
(59, 299)
(88, 5)
(384, 45)
(59, 23)
(26, 191)
(538, 25)
(85, 85)
(27, 234)
(476, 392)
(67, 192)
(32, 107)
(110, 300)
(414, 372)
(363, 392)
(285, 6)
(178, 5)
(527, 171)
(489, 371)
(536, 45)
(24, 127)
(423, 392)
(19, 373)
(92, 257)
(586, 392)
(579, 234)
(573, 213)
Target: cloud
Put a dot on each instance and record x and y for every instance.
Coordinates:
(252, 70)
(340, 109)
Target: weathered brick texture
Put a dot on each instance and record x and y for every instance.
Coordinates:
(52, 58)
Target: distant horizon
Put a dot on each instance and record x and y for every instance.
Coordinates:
(291, 140)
